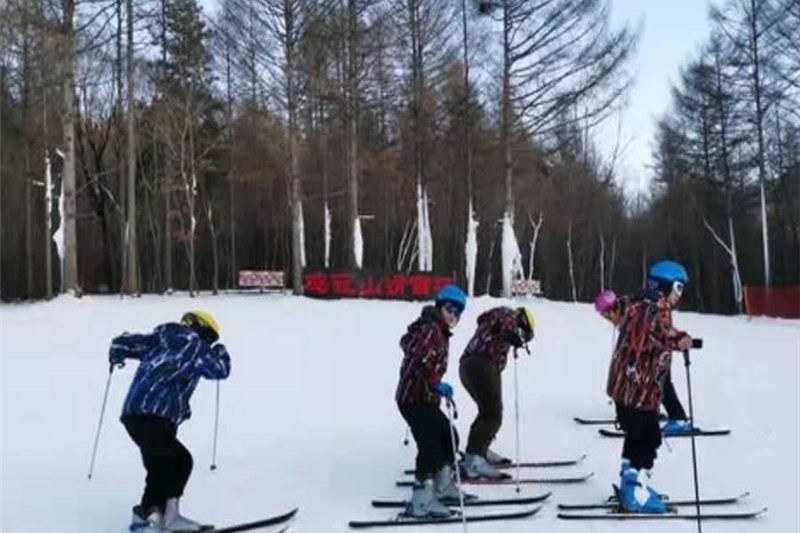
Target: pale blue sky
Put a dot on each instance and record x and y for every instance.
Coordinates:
(672, 33)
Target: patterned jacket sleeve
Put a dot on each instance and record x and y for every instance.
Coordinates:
(214, 362)
(505, 329)
(663, 333)
(131, 346)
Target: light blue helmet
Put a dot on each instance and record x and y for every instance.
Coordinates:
(663, 274)
(454, 294)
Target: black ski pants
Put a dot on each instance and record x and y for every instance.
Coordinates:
(167, 461)
(642, 436)
(670, 400)
(481, 377)
(431, 431)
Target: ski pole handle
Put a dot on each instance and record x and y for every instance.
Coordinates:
(697, 344)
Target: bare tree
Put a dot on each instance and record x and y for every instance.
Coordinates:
(556, 55)
(748, 26)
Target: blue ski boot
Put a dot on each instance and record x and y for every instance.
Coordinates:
(635, 495)
(626, 465)
(676, 427)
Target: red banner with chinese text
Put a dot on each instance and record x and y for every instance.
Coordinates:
(364, 284)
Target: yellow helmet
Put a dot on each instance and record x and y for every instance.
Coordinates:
(526, 322)
(204, 323)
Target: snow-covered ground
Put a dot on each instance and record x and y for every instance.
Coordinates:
(308, 417)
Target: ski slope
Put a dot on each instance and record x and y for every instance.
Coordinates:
(308, 418)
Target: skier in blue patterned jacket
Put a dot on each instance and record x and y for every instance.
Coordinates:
(172, 359)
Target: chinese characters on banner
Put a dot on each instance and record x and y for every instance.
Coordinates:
(359, 284)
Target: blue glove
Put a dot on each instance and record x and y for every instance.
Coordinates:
(444, 389)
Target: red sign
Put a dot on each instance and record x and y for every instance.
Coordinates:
(392, 285)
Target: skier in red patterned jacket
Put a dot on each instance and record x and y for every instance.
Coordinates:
(639, 366)
(420, 389)
(499, 329)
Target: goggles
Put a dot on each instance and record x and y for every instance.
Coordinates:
(677, 288)
(453, 309)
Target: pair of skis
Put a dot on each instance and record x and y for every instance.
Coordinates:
(697, 432)
(607, 510)
(507, 479)
(610, 510)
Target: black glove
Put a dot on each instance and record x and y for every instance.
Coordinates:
(515, 340)
(218, 350)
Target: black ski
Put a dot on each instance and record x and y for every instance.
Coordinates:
(511, 481)
(674, 515)
(612, 504)
(474, 502)
(604, 421)
(401, 520)
(530, 464)
(697, 433)
(247, 526)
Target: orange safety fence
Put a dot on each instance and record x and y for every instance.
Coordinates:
(772, 301)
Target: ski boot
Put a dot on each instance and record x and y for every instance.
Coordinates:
(676, 427)
(445, 488)
(146, 520)
(424, 503)
(174, 521)
(635, 496)
(626, 464)
(475, 466)
(496, 459)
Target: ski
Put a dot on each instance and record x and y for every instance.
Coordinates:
(530, 464)
(474, 502)
(673, 515)
(511, 481)
(697, 433)
(613, 504)
(401, 520)
(248, 526)
(605, 421)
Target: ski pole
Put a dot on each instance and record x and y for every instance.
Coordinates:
(452, 414)
(516, 418)
(100, 422)
(687, 363)
(405, 438)
(216, 432)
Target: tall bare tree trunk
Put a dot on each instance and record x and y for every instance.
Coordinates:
(27, 169)
(755, 36)
(70, 281)
(295, 193)
(354, 229)
(133, 263)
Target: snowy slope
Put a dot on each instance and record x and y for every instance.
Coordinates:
(308, 416)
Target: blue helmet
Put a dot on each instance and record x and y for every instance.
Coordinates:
(454, 294)
(664, 275)
(668, 271)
